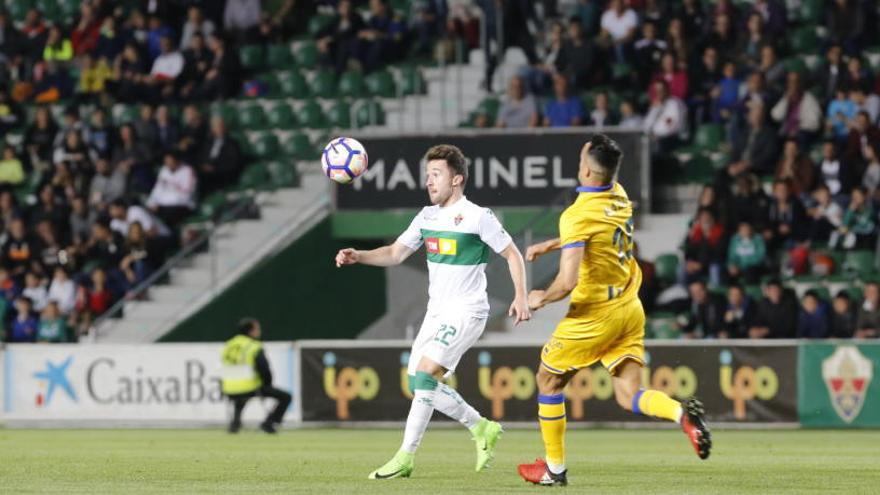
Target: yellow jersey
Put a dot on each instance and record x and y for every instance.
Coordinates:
(601, 221)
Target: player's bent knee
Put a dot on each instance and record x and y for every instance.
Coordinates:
(549, 383)
(430, 367)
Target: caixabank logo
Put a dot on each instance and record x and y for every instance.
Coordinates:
(847, 374)
(51, 379)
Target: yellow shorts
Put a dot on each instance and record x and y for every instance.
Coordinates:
(610, 336)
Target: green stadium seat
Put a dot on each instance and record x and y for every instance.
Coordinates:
(804, 40)
(822, 291)
(211, 206)
(125, 114)
(351, 84)
(51, 10)
(311, 115)
(278, 56)
(709, 136)
(796, 64)
(339, 115)
(298, 146)
(663, 326)
(306, 54)
(228, 112)
(17, 9)
(381, 84)
(621, 70)
(860, 263)
(667, 268)
(251, 56)
(292, 84)
(283, 173)
(412, 81)
(809, 12)
(252, 117)
(69, 8)
(266, 146)
(699, 169)
(755, 292)
(489, 107)
(281, 116)
(318, 23)
(323, 84)
(856, 294)
(370, 113)
(256, 177)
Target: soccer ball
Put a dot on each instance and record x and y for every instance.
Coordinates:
(344, 159)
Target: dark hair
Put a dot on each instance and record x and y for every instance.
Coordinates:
(452, 155)
(246, 325)
(843, 295)
(774, 281)
(605, 152)
(812, 293)
(119, 202)
(737, 287)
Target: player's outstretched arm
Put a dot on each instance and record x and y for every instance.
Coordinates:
(565, 282)
(391, 255)
(536, 250)
(519, 308)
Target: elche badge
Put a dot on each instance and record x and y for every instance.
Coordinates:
(847, 374)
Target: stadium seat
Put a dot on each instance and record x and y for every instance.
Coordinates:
(370, 113)
(709, 136)
(323, 84)
(266, 146)
(803, 40)
(125, 114)
(621, 71)
(306, 54)
(662, 326)
(855, 293)
(796, 64)
(255, 177)
(351, 84)
(412, 82)
(251, 56)
(292, 84)
(17, 9)
(822, 291)
(281, 116)
(667, 268)
(228, 112)
(808, 12)
(381, 84)
(50, 8)
(318, 23)
(69, 8)
(489, 106)
(283, 173)
(252, 117)
(860, 263)
(311, 115)
(278, 56)
(298, 146)
(755, 292)
(339, 115)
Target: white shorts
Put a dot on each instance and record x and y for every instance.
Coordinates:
(444, 338)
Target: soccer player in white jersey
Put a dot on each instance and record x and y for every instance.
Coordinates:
(457, 235)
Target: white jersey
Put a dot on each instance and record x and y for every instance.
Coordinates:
(457, 239)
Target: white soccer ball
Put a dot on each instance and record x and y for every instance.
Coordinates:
(344, 159)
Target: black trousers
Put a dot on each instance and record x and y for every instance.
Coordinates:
(281, 397)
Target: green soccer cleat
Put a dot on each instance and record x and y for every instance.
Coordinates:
(486, 435)
(400, 466)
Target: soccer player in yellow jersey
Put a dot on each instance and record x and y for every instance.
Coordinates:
(605, 320)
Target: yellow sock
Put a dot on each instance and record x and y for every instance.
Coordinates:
(551, 415)
(657, 404)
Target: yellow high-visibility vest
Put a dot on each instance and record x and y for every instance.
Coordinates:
(239, 373)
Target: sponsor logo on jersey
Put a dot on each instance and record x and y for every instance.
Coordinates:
(847, 374)
(458, 218)
(439, 245)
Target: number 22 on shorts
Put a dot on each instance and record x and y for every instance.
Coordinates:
(444, 334)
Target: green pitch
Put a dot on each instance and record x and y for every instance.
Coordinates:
(338, 461)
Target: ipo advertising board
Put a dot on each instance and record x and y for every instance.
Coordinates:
(513, 168)
(737, 383)
(839, 385)
(173, 382)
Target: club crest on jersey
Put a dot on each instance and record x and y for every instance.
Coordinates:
(458, 218)
(847, 374)
(439, 245)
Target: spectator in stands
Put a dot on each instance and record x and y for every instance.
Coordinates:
(725, 95)
(157, 30)
(108, 184)
(9, 288)
(831, 72)
(62, 290)
(813, 319)
(81, 220)
(337, 41)
(826, 216)
(748, 203)
(34, 34)
(858, 229)
(514, 31)
(840, 115)
(380, 40)
(145, 127)
(92, 300)
(49, 251)
(773, 14)
(777, 316)
(676, 40)
(192, 134)
(723, 37)
(540, 75)
(871, 177)
(746, 254)
(772, 69)
(134, 157)
(518, 109)
(39, 138)
(856, 75)
(428, 23)
(602, 115)
(740, 314)
(110, 42)
(796, 168)
(167, 67)
(836, 174)
(866, 102)
(787, 218)
(862, 134)
(705, 248)
(104, 247)
(666, 121)
(797, 112)
(843, 317)
(11, 169)
(50, 206)
(72, 153)
(629, 118)
(35, 291)
(124, 215)
(618, 28)
(195, 24)
(706, 315)
(10, 113)
(130, 74)
(173, 196)
(17, 251)
(222, 80)
(55, 84)
(220, 159)
(676, 79)
(748, 50)
(563, 110)
(693, 15)
(868, 321)
(93, 77)
(648, 51)
(58, 48)
(53, 326)
(241, 18)
(167, 132)
(755, 149)
(846, 23)
(578, 57)
(84, 37)
(24, 325)
(197, 60)
(135, 264)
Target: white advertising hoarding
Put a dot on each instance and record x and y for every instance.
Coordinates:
(156, 382)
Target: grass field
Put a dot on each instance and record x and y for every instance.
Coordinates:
(338, 461)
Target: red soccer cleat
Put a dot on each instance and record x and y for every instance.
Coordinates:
(539, 474)
(694, 426)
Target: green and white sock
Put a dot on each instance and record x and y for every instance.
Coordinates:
(420, 411)
(451, 403)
